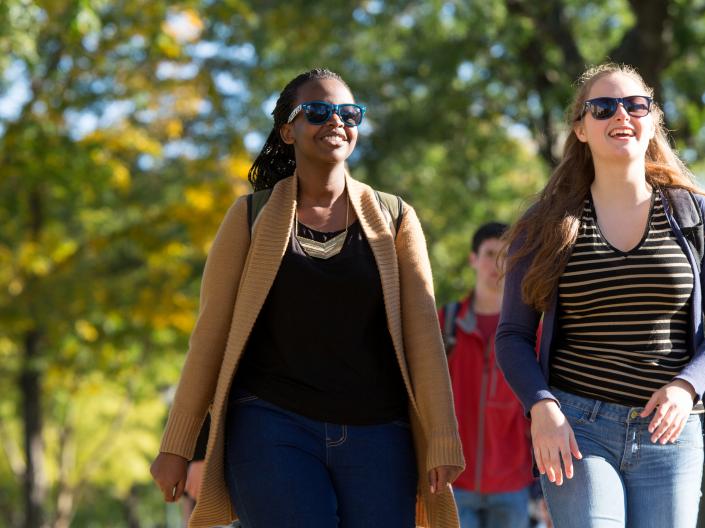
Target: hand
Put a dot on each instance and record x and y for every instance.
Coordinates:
(553, 441)
(169, 471)
(673, 403)
(439, 477)
(194, 474)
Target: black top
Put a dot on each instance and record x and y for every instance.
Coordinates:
(320, 346)
(623, 316)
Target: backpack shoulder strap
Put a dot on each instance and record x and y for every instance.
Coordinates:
(450, 325)
(690, 219)
(393, 209)
(255, 202)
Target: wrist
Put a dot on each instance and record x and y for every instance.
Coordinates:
(678, 382)
(543, 405)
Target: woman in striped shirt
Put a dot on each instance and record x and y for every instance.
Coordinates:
(601, 256)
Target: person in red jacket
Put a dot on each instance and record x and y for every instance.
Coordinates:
(493, 491)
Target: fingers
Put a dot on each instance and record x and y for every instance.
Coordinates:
(549, 460)
(168, 492)
(574, 448)
(548, 463)
(650, 405)
(539, 461)
(672, 434)
(172, 492)
(670, 426)
(433, 479)
(179, 489)
(662, 420)
(555, 465)
(658, 418)
(567, 463)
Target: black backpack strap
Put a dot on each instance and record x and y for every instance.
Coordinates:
(255, 202)
(450, 325)
(690, 219)
(393, 209)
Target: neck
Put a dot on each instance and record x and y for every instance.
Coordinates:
(487, 300)
(320, 185)
(621, 185)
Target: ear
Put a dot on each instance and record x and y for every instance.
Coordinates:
(579, 130)
(472, 259)
(286, 132)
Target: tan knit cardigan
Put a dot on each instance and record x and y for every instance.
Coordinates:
(236, 280)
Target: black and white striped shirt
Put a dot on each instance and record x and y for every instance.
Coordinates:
(623, 319)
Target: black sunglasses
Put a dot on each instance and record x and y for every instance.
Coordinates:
(606, 107)
(319, 112)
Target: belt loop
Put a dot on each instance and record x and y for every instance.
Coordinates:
(595, 410)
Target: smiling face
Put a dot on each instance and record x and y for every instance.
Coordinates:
(329, 143)
(621, 137)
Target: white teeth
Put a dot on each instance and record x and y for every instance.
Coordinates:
(622, 132)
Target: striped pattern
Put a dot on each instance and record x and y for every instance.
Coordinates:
(236, 281)
(623, 320)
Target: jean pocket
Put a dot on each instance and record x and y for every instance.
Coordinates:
(575, 415)
(692, 434)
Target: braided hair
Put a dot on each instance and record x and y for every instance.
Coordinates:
(276, 160)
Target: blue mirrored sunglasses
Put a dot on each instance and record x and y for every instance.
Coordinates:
(606, 107)
(319, 112)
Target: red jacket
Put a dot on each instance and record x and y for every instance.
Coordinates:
(493, 429)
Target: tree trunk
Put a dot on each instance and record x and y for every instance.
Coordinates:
(34, 481)
(648, 45)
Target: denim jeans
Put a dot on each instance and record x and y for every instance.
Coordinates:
(287, 471)
(492, 510)
(623, 479)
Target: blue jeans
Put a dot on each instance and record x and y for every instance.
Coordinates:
(492, 510)
(287, 471)
(623, 479)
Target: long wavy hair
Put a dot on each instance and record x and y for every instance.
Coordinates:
(548, 229)
(276, 160)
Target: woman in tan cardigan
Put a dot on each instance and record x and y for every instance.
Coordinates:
(317, 348)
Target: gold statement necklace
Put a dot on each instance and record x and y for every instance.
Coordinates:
(329, 248)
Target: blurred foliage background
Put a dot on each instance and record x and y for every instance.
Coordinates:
(127, 128)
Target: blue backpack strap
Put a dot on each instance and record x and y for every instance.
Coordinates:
(690, 219)
(255, 202)
(450, 325)
(392, 208)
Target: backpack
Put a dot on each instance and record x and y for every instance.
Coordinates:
(450, 325)
(392, 208)
(690, 219)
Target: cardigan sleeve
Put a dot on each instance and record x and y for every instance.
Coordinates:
(199, 375)
(694, 371)
(423, 346)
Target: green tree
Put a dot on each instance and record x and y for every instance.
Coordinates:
(122, 144)
(111, 190)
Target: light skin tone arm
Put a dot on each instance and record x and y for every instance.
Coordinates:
(554, 442)
(169, 472)
(672, 404)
